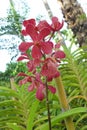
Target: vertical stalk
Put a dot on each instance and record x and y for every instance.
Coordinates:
(48, 108)
(63, 102)
(12, 84)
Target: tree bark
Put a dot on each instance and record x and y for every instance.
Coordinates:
(47, 7)
(76, 19)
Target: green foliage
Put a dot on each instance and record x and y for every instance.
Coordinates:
(32, 115)
(62, 116)
(74, 75)
(14, 20)
(74, 71)
(11, 26)
(12, 69)
(15, 108)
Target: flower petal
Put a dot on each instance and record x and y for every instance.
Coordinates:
(36, 53)
(43, 33)
(56, 25)
(47, 47)
(52, 89)
(39, 93)
(24, 33)
(22, 74)
(24, 81)
(24, 46)
(57, 45)
(22, 57)
(30, 65)
(30, 21)
(49, 78)
(30, 29)
(43, 24)
(60, 54)
(31, 88)
(37, 62)
(49, 69)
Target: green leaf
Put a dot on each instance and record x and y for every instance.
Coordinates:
(81, 118)
(84, 127)
(14, 126)
(62, 116)
(32, 115)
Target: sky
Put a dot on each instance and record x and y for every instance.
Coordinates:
(36, 8)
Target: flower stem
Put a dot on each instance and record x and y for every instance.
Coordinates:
(63, 102)
(48, 108)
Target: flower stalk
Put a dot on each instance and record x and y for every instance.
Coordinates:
(48, 108)
(63, 102)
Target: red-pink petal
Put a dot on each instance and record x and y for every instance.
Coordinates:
(36, 53)
(37, 62)
(43, 24)
(57, 45)
(24, 33)
(49, 78)
(61, 25)
(22, 57)
(30, 88)
(56, 25)
(22, 74)
(23, 81)
(39, 93)
(31, 30)
(60, 54)
(52, 89)
(44, 70)
(47, 47)
(49, 69)
(54, 20)
(43, 33)
(30, 21)
(57, 74)
(24, 46)
(30, 65)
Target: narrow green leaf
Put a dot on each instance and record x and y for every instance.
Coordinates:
(32, 115)
(84, 127)
(14, 126)
(62, 116)
(8, 92)
(10, 103)
(81, 118)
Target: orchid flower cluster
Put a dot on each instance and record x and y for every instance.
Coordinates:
(42, 55)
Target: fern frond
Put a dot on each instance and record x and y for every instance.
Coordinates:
(74, 70)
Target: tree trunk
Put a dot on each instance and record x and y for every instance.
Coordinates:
(47, 7)
(76, 19)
